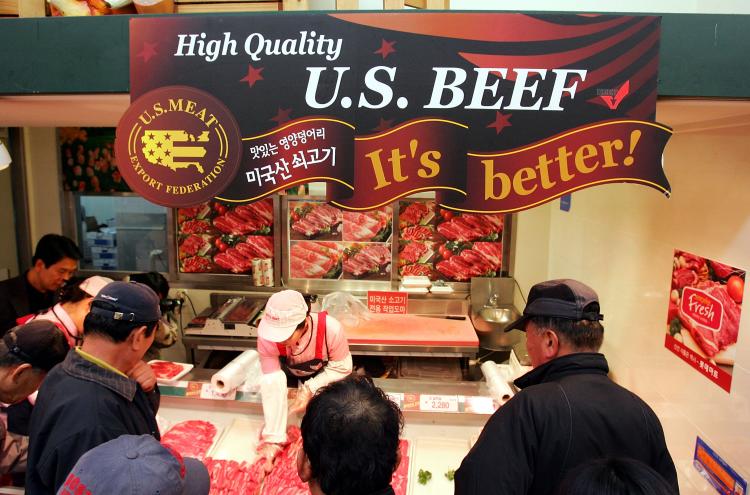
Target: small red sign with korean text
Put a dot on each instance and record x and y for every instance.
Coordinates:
(387, 302)
(703, 320)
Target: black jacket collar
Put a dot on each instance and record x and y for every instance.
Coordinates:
(571, 364)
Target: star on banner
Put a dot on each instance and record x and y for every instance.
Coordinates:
(282, 115)
(253, 75)
(501, 122)
(384, 124)
(147, 52)
(386, 48)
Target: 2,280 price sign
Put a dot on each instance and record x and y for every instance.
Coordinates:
(438, 403)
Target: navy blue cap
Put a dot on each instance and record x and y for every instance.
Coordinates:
(136, 465)
(562, 298)
(127, 301)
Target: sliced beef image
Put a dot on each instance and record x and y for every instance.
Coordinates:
(364, 226)
(320, 219)
(412, 252)
(234, 261)
(713, 341)
(417, 233)
(313, 259)
(372, 258)
(256, 246)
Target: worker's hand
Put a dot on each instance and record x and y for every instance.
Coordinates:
(299, 404)
(269, 452)
(144, 375)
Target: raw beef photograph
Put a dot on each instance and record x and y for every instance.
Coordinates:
(371, 261)
(467, 227)
(197, 264)
(314, 220)
(192, 438)
(368, 226)
(425, 270)
(194, 245)
(703, 319)
(315, 259)
(460, 261)
(415, 252)
(240, 233)
(415, 213)
(418, 233)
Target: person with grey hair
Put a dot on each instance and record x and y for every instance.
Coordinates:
(27, 353)
(568, 411)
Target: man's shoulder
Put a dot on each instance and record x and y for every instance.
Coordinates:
(11, 284)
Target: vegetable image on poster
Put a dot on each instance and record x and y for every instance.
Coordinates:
(703, 320)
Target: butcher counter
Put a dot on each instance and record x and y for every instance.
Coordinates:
(434, 327)
(442, 421)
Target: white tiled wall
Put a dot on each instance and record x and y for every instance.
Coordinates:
(620, 240)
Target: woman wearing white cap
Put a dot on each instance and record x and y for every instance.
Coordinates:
(75, 303)
(309, 347)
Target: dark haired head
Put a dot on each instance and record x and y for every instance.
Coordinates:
(115, 330)
(51, 248)
(71, 292)
(350, 435)
(580, 335)
(614, 476)
(155, 280)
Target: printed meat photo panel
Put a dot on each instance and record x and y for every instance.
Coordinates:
(224, 238)
(703, 320)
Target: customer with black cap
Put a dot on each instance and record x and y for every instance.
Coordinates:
(136, 465)
(27, 353)
(102, 390)
(568, 411)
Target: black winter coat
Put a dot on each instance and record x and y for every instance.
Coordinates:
(568, 412)
(82, 405)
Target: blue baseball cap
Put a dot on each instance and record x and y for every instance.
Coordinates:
(136, 465)
(127, 301)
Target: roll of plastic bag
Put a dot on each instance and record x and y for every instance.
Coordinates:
(235, 373)
(496, 383)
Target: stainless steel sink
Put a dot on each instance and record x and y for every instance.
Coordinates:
(490, 324)
(497, 315)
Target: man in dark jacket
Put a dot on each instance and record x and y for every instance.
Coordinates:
(102, 390)
(568, 411)
(55, 261)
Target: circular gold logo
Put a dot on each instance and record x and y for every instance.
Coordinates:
(178, 146)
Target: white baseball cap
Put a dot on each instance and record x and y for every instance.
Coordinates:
(284, 311)
(93, 285)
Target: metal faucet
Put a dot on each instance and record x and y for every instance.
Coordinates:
(491, 301)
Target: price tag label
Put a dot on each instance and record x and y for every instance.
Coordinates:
(208, 392)
(396, 397)
(438, 403)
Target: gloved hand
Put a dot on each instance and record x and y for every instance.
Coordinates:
(269, 451)
(299, 404)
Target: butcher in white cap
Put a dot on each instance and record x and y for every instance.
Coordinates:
(297, 348)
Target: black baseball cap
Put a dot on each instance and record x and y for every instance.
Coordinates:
(562, 298)
(39, 343)
(127, 301)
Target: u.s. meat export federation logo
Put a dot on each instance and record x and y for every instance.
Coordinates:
(178, 146)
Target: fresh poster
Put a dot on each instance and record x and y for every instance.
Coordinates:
(214, 237)
(703, 321)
